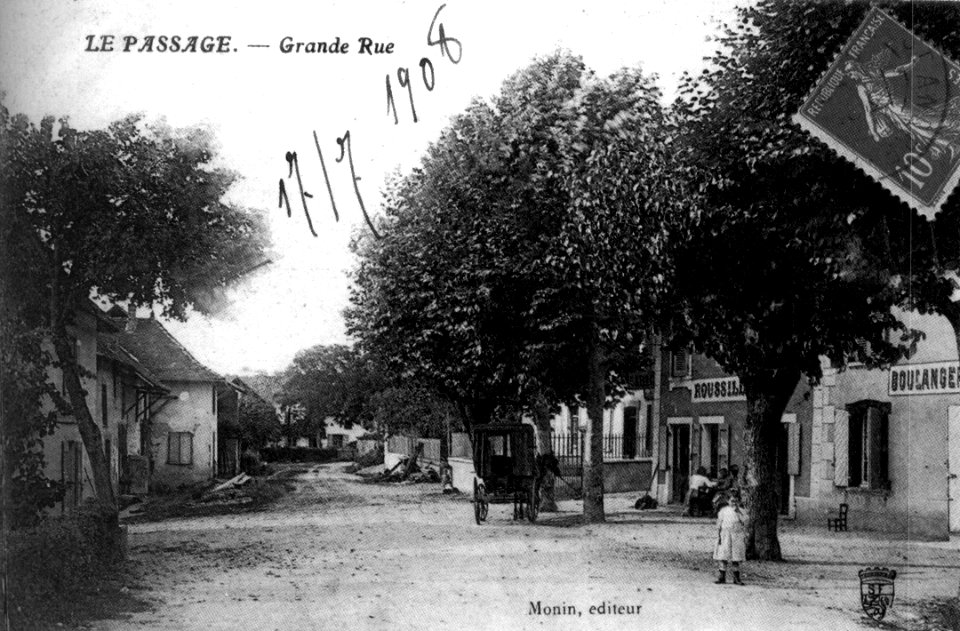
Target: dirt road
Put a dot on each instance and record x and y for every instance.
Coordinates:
(339, 553)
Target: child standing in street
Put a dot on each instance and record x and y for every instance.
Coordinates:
(731, 538)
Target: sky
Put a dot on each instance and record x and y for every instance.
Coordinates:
(261, 103)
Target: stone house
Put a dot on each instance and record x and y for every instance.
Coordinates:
(182, 442)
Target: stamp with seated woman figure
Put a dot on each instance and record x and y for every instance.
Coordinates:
(890, 103)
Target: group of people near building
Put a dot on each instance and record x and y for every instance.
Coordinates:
(706, 496)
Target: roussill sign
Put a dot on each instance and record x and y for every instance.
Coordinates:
(718, 389)
(890, 103)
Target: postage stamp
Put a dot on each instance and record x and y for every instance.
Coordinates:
(890, 103)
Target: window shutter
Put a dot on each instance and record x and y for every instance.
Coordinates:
(793, 448)
(877, 428)
(669, 446)
(723, 447)
(703, 453)
(841, 448)
(188, 439)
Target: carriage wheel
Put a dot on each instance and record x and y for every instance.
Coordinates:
(533, 502)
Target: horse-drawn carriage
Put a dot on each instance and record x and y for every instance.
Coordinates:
(504, 458)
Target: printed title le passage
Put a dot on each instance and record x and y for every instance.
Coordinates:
(222, 44)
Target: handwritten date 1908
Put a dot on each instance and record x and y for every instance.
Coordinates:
(450, 47)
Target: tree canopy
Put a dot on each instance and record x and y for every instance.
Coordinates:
(521, 263)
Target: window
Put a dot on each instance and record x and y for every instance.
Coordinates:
(679, 363)
(179, 448)
(104, 416)
(213, 399)
(861, 446)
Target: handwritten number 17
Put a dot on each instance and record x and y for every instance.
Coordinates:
(293, 163)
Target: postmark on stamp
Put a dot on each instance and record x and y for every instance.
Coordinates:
(890, 103)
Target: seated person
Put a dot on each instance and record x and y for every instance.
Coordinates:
(698, 481)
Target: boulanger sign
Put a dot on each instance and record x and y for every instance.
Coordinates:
(916, 379)
(718, 389)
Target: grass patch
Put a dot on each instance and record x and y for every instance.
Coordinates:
(66, 570)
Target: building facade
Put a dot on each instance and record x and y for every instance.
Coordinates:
(119, 391)
(887, 442)
(181, 443)
(884, 442)
(629, 441)
(702, 416)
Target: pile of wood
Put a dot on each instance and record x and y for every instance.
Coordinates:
(229, 490)
(407, 470)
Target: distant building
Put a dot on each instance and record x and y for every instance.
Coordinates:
(629, 442)
(340, 435)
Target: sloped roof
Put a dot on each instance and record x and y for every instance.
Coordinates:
(108, 346)
(153, 346)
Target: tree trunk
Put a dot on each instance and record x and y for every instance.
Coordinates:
(291, 435)
(412, 461)
(65, 347)
(767, 398)
(593, 456)
(6, 512)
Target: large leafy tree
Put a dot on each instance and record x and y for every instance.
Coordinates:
(521, 264)
(340, 382)
(328, 381)
(411, 410)
(259, 424)
(793, 254)
(133, 212)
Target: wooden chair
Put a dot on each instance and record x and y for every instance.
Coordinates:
(839, 522)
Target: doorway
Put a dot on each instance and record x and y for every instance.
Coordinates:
(711, 456)
(680, 460)
(630, 414)
(71, 466)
